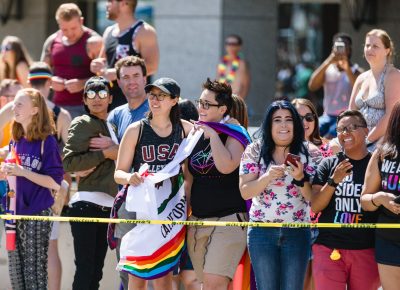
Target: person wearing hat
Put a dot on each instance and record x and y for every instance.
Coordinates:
(97, 189)
(161, 131)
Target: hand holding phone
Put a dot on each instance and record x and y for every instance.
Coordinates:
(292, 158)
(341, 156)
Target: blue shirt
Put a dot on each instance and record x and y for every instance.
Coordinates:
(121, 117)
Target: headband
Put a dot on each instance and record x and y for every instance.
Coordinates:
(39, 75)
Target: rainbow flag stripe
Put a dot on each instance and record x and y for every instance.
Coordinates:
(159, 263)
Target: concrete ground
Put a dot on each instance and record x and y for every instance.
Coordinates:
(110, 279)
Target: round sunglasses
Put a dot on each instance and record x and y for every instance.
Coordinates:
(309, 117)
(91, 94)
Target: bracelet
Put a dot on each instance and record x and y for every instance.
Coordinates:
(299, 183)
(372, 201)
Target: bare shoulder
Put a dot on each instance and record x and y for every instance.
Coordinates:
(187, 126)
(146, 31)
(393, 74)
(65, 115)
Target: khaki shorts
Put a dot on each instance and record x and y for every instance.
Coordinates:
(217, 250)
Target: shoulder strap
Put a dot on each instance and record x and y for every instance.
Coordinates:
(139, 137)
(41, 148)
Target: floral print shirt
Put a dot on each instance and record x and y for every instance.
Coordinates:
(281, 201)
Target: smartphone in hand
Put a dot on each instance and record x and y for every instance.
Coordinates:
(292, 158)
(341, 156)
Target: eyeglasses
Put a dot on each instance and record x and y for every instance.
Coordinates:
(309, 117)
(92, 94)
(160, 97)
(205, 105)
(350, 128)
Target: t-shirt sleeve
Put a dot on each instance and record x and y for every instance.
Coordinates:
(250, 159)
(323, 171)
(51, 160)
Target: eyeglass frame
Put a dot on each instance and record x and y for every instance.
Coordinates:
(307, 117)
(153, 96)
(6, 47)
(97, 93)
(349, 130)
(206, 105)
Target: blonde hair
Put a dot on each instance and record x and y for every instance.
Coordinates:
(386, 40)
(42, 124)
(68, 11)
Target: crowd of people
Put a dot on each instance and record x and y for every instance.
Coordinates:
(87, 110)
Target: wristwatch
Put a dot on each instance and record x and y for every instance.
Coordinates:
(331, 182)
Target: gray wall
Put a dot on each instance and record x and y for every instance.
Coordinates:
(189, 40)
(256, 22)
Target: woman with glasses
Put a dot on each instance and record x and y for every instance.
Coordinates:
(344, 258)
(153, 140)
(377, 90)
(380, 194)
(16, 60)
(214, 192)
(97, 189)
(280, 191)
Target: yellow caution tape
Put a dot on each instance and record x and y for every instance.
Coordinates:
(199, 223)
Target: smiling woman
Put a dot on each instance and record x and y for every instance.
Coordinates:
(279, 193)
(91, 148)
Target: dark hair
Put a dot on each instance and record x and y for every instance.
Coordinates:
(352, 113)
(239, 111)
(391, 141)
(21, 55)
(130, 61)
(188, 110)
(265, 132)
(238, 38)
(343, 35)
(315, 136)
(174, 114)
(39, 67)
(96, 83)
(223, 93)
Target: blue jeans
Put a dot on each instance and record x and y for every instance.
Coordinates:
(279, 257)
(327, 125)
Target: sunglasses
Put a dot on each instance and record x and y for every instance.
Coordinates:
(309, 117)
(349, 128)
(6, 47)
(92, 94)
(205, 105)
(233, 43)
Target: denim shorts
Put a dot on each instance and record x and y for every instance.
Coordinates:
(387, 252)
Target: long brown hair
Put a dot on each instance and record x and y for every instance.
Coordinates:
(315, 136)
(42, 124)
(21, 54)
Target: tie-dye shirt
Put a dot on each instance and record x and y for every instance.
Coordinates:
(280, 201)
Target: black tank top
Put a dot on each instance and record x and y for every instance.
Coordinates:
(213, 194)
(60, 143)
(117, 47)
(154, 150)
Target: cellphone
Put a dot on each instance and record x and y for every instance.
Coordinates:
(292, 158)
(340, 47)
(341, 156)
(397, 199)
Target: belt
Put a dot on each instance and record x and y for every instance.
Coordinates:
(91, 204)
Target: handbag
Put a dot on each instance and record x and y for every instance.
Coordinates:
(59, 195)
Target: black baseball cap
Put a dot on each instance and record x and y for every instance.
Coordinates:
(167, 85)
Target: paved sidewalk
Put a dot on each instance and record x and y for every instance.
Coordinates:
(110, 279)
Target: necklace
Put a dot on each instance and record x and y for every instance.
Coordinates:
(223, 74)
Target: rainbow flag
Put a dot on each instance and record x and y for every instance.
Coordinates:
(235, 131)
(151, 251)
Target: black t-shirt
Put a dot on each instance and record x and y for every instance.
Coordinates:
(345, 207)
(213, 194)
(390, 182)
(115, 49)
